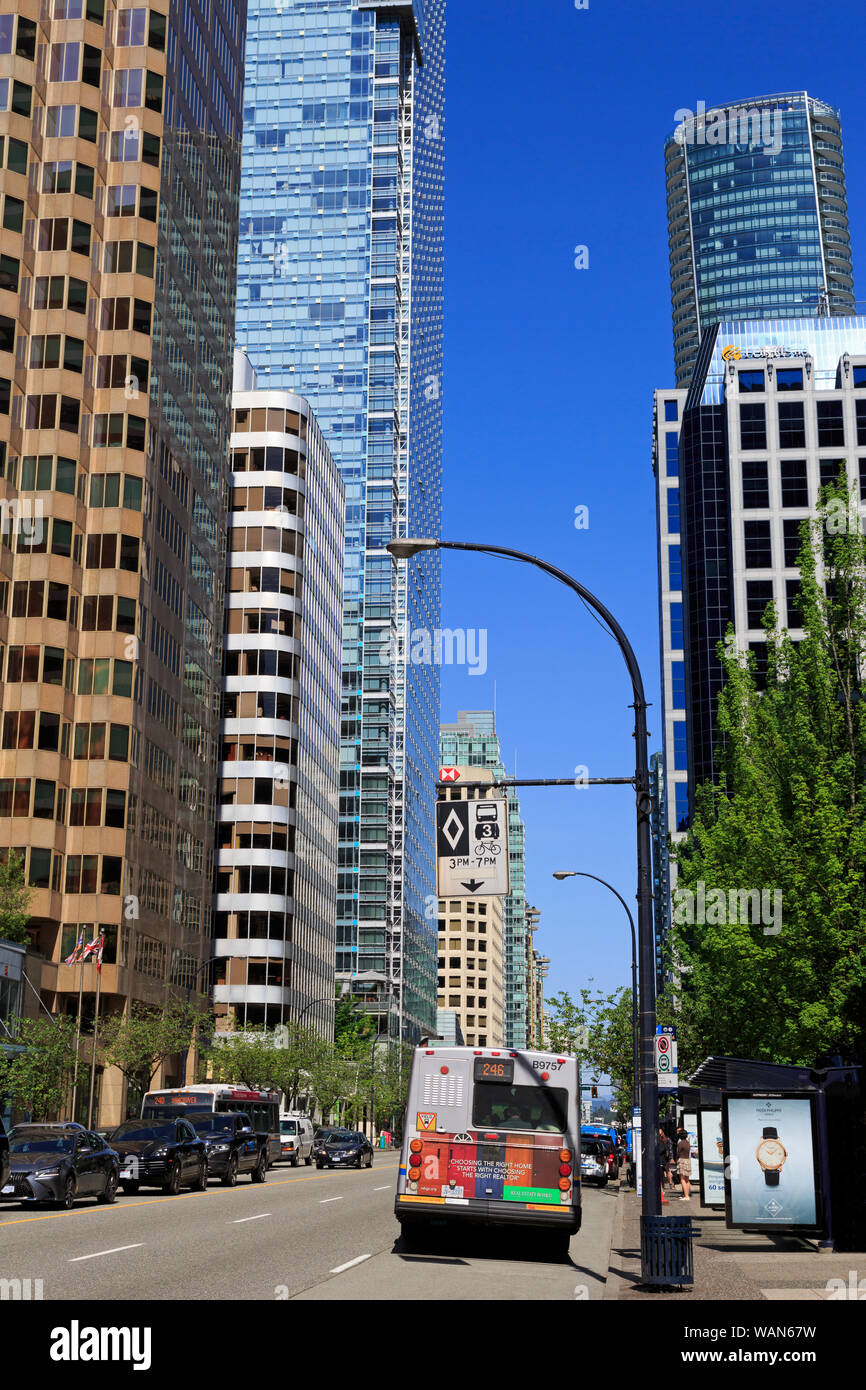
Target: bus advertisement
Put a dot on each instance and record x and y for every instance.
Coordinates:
(491, 1138)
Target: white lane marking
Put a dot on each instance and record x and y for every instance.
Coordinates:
(115, 1251)
(240, 1221)
(359, 1261)
(330, 1199)
(386, 1188)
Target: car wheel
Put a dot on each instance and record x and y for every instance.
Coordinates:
(230, 1176)
(67, 1201)
(602, 1182)
(318, 1165)
(201, 1181)
(130, 1188)
(260, 1171)
(110, 1193)
(370, 1161)
(172, 1186)
(308, 1160)
(294, 1160)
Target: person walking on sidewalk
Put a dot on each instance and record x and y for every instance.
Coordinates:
(684, 1162)
(664, 1148)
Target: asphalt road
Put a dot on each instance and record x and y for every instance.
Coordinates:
(302, 1234)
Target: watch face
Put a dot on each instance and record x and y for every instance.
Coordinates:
(771, 1153)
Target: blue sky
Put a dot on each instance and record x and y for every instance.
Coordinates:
(556, 121)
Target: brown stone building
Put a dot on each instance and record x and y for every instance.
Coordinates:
(119, 176)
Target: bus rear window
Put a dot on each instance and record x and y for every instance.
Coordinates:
(520, 1107)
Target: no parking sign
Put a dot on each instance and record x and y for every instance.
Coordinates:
(666, 1058)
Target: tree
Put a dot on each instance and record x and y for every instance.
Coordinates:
(599, 1029)
(15, 898)
(141, 1040)
(354, 1030)
(770, 905)
(39, 1078)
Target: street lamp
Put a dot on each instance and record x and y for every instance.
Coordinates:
(404, 549)
(577, 873)
(326, 999)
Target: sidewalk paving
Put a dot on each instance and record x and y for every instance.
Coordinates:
(730, 1264)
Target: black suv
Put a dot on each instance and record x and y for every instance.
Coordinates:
(57, 1163)
(350, 1149)
(160, 1153)
(232, 1146)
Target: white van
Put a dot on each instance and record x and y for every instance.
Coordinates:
(296, 1139)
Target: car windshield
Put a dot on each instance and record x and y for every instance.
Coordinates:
(288, 1126)
(212, 1124)
(41, 1144)
(520, 1107)
(346, 1139)
(327, 1136)
(143, 1130)
(591, 1146)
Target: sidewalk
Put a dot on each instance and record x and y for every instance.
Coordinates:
(729, 1264)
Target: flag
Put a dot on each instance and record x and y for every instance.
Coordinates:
(99, 952)
(90, 949)
(76, 954)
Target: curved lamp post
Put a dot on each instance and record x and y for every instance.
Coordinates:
(577, 873)
(404, 549)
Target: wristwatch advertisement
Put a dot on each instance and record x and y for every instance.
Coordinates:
(771, 1168)
(712, 1158)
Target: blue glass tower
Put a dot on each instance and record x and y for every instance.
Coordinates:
(340, 299)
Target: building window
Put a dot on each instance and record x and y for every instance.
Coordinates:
(789, 379)
(675, 566)
(829, 471)
(792, 542)
(678, 685)
(681, 761)
(792, 425)
(758, 545)
(831, 427)
(672, 454)
(756, 485)
(751, 381)
(753, 426)
(672, 410)
(795, 607)
(677, 637)
(681, 803)
(759, 652)
(674, 510)
(795, 483)
(759, 592)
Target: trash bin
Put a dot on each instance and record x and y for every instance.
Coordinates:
(666, 1250)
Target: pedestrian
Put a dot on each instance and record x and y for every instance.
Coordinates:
(663, 1148)
(684, 1162)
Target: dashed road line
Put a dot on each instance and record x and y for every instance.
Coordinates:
(358, 1261)
(116, 1251)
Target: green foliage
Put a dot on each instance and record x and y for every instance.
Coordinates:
(139, 1041)
(788, 814)
(599, 1030)
(39, 1079)
(354, 1030)
(280, 1059)
(15, 898)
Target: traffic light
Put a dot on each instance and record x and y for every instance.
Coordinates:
(595, 1093)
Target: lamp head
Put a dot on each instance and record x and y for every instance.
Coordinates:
(405, 549)
(568, 873)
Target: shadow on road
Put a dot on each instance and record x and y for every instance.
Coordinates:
(458, 1246)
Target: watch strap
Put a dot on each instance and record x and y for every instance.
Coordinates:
(771, 1177)
(771, 1132)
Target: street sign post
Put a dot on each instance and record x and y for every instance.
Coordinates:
(666, 1058)
(472, 848)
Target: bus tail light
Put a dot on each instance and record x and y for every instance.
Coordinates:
(564, 1184)
(565, 1155)
(565, 1170)
(416, 1146)
(414, 1174)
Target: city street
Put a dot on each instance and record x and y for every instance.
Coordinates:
(304, 1234)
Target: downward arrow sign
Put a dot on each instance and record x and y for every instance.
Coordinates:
(473, 885)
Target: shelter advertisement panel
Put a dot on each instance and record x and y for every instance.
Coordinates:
(771, 1148)
(711, 1156)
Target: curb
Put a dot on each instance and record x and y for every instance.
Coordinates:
(613, 1282)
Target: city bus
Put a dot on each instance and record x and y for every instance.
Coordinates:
(263, 1107)
(491, 1138)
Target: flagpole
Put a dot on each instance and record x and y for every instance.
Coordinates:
(78, 1031)
(93, 1048)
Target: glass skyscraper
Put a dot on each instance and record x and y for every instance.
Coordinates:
(340, 300)
(757, 216)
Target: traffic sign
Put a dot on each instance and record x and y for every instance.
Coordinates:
(665, 1047)
(472, 848)
(449, 774)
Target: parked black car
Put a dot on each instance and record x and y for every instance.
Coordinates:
(160, 1153)
(351, 1149)
(232, 1146)
(57, 1163)
(4, 1163)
